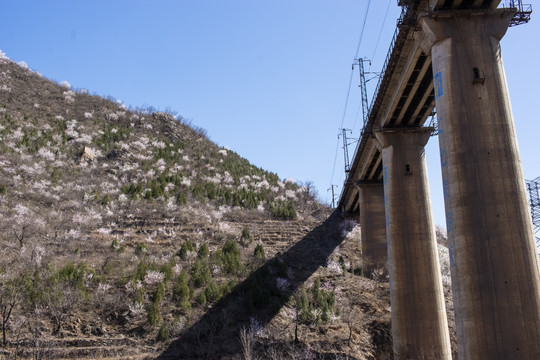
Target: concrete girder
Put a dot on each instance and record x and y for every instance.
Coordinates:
(399, 82)
(371, 175)
(351, 199)
(425, 97)
(371, 150)
(368, 154)
(415, 86)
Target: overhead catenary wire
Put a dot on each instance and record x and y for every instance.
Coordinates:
(362, 32)
(380, 31)
(349, 88)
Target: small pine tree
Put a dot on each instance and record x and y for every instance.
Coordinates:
(158, 294)
(203, 251)
(212, 291)
(106, 200)
(163, 333)
(153, 315)
(246, 236)
(186, 247)
(231, 254)
(181, 292)
(201, 298)
(141, 249)
(258, 253)
(302, 305)
(167, 270)
(201, 273)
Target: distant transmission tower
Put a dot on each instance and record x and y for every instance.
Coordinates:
(533, 187)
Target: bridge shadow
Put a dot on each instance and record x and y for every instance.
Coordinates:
(216, 334)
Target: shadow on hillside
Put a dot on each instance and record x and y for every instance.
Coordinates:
(216, 334)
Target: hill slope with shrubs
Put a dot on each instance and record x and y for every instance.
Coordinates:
(127, 233)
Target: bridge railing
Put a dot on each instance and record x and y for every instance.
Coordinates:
(385, 65)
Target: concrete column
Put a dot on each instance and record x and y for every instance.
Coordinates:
(373, 224)
(419, 324)
(495, 273)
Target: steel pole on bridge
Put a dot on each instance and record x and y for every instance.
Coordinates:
(419, 324)
(494, 264)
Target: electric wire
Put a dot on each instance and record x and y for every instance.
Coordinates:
(362, 32)
(356, 117)
(341, 126)
(380, 31)
(349, 88)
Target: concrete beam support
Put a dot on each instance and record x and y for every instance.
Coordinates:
(419, 324)
(495, 272)
(373, 224)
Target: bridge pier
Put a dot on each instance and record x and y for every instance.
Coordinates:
(495, 271)
(373, 224)
(419, 324)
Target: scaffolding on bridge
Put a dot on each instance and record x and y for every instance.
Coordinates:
(523, 13)
(533, 188)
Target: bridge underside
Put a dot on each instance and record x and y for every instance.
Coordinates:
(405, 97)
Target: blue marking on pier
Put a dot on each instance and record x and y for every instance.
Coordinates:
(437, 83)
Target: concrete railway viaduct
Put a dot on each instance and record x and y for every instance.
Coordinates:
(446, 55)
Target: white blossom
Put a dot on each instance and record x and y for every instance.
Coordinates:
(46, 154)
(158, 144)
(136, 309)
(69, 96)
(103, 288)
(290, 194)
(112, 116)
(153, 277)
(333, 266)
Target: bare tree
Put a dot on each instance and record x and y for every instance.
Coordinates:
(61, 304)
(8, 300)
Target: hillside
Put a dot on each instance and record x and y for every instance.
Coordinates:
(127, 233)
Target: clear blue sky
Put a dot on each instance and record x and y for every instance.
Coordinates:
(267, 79)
